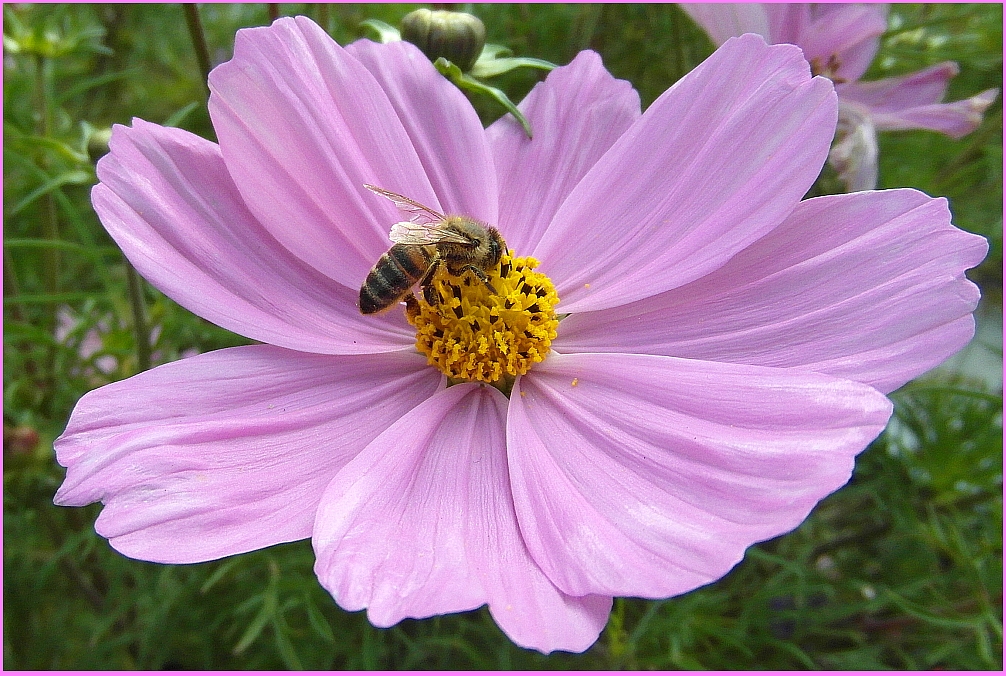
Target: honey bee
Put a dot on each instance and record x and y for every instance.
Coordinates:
(422, 244)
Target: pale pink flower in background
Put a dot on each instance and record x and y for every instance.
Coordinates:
(840, 41)
(69, 323)
(722, 362)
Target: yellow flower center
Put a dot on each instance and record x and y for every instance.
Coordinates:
(473, 334)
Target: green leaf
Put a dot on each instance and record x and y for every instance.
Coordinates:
(494, 67)
(318, 622)
(75, 177)
(218, 574)
(453, 73)
(176, 117)
(91, 83)
(13, 332)
(10, 45)
(257, 625)
(38, 243)
(921, 613)
(59, 148)
(284, 645)
(267, 614)
(491, 51)
(63, 297)
(385, 32)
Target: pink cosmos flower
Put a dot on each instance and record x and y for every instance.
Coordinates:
(721, 358)
(840, 41)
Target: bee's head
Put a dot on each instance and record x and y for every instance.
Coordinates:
(495, 246)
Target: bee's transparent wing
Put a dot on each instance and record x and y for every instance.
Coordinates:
(417, 212)
(407, 232)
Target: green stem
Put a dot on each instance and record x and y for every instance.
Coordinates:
(43, 73)
(142, 334)
(50, 221)
(470, 84)
(10, 283)
(49, 216)
(50, 227)
(199, 42)
(677, 54)
(323, 16)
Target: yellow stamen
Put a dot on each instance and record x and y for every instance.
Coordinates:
(473, 334)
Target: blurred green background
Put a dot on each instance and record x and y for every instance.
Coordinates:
(900, 569)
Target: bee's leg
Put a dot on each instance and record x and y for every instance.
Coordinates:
(430, 294)
(480, 273)
(411, 308)
(428, 275)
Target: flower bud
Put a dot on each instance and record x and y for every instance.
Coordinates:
(97, 143)
(456, 36)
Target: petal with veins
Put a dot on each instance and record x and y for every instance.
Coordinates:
(715, 163)
(577, 113)
(444, 129)
(422, 523)
(303, 125)
(649, 476)
(228, 451)
(186, 229)
(868, 286)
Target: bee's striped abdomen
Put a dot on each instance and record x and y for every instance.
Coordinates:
(392, 277)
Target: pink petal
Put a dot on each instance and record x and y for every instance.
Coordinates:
(167, 200)
(913, 102)
(442, 125)
(228, 451)
(897, 93)
(787, 21)
(956, 119)
(715, 163)
(891, 364)
(910, 102)
(422, 523)
(725, 20)
(636, 475)
(303, 126)
(850, 32)
(576, 114)
(847, 32)
(866, 286)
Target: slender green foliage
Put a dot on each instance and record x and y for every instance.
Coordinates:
(900, 569)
